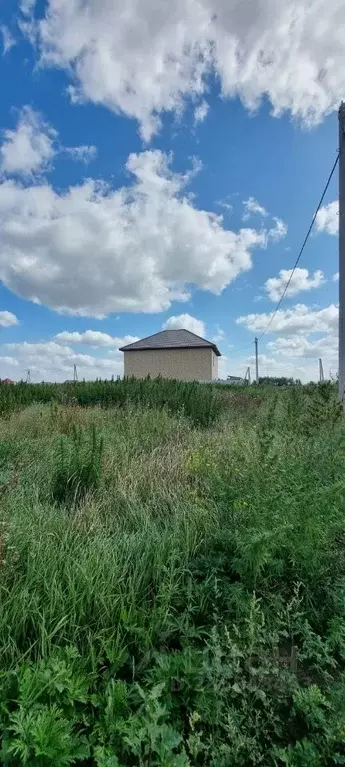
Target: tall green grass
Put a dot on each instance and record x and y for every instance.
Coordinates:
(79, 468)
(200, 403)
(189, 609)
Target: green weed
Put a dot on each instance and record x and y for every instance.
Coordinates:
(191, 611)
(78, 470)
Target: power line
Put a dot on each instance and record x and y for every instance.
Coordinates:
(241, 348)
(246, 346)
(302, 248)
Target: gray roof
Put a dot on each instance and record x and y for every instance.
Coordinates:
(171, 339)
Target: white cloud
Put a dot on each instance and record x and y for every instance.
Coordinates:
(272, 367)
(301, 280)
(225, 204)
(46, 347)
(299, 319)
(335, 277)
(5, 362)
(83, 153)
(153, 57)
(219, 336)
(27, 6)
(92, 250)
(200, 112)
(94, 338)
(51, 361)
(299, 346)
(253, 207)
(224, 367)
(186, 322)
(278, 231)
(8, 40)
(7, 319)
(327, 219)
(275, 368)
(30, 147)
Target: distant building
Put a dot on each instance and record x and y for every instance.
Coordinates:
(172, 354)
(7, 381)
(235, 379)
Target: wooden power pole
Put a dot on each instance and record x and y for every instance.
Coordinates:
(257, 360)
(342, 251)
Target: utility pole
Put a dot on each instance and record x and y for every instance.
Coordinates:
(247, 377)
(342, 251)
(321, 375)
(257, 360)
(75, 373)
(28, 377)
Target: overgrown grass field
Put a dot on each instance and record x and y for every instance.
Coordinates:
(172, 576)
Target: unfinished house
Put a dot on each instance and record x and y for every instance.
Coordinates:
(172, 354)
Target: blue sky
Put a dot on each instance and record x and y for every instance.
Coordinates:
(159, 168)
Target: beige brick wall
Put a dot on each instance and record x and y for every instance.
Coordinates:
(183, 364)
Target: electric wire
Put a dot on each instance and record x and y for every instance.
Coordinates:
(241, 348)
(301, 250)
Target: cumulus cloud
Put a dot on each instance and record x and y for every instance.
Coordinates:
(7, 319)
(253, 207)
(83, 153)
(300, 319)
(51, 361)
(156, 56)
(92, 250)
(278, 231)
(299, 346)
(29, 148)
(8, 40)
(219, 336)
(6, 362)
(94, 338)
(269, 366)
(335, 277)
(327, 219)
(186, 322)
(225, 204)
(301, 280)
(200, 112)
(27, 6)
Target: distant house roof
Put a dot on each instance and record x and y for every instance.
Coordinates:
(7, 381)
(171, 339)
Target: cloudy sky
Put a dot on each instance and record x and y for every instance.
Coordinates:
(159, 167)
